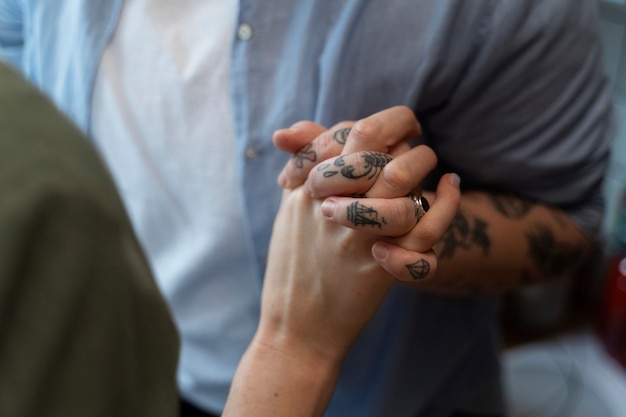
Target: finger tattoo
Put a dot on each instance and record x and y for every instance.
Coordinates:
(419, 270)
(511, 206)
(305, 154)
(374, 163)
(361, 215)
(553, 258)
(341, 135)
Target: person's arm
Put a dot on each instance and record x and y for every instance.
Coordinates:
(84, 329)
(497, 241)
(321, 287)
(500, 242)
(308, 318)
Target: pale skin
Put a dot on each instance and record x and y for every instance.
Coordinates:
(319, 293)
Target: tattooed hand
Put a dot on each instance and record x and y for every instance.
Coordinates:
(386, 132)
(366, 185)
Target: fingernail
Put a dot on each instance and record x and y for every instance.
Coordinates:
(455, 180)
(328, 207)
(379, 251)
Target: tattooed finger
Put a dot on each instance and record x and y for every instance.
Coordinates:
(347, 174)
(383, 130)
(341, 135)
(297, 136)
(382, 217)
(435, 226)
(326, 145)
(404, 174)
(405, 265)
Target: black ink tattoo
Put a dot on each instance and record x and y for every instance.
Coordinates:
(510, 206)
(553, 258)
(374, 163)
(361, 215)
(305, 154)
(419, 270)
(465, 234)
(322, 166)
(341, 135)
(560, 217)
(479, 235)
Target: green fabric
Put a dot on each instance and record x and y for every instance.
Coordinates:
(84, 330)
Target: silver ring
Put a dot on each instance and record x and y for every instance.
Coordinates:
(421, 205)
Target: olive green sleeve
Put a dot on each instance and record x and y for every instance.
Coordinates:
(84, 330)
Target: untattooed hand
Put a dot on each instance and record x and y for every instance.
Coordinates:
(321, 287)
(322, 284)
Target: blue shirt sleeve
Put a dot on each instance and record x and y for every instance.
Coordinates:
(11, 38)
(532, 113)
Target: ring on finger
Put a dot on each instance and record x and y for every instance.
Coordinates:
(421, 205)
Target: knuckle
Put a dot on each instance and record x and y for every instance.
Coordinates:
(294, 173)
(293, 202)
(427, 153)
(325, 143)
(409, 114)
(365, 130)
(403, 212)
(396, 179)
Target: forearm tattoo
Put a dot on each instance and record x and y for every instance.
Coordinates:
(465, 233)
(341, 135)
(419, 270)
(361, 215)
(510, 206)
(547, 256)
(374, 162)
(305, 154)
(551, 257)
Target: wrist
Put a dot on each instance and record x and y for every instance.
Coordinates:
(282, 377)
(290, 345)
(291, 332)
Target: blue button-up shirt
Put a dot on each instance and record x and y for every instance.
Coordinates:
(510, 94)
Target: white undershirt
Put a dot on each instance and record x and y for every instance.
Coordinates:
(162, 118)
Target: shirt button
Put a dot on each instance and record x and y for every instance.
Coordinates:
(244, 32)
(252, 152)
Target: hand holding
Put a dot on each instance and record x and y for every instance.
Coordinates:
(385, 132)
(384, 169)
(322, 284)
(321, 288)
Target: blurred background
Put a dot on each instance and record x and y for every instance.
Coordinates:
(566, 341)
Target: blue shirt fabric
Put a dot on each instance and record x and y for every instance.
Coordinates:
(510, 94)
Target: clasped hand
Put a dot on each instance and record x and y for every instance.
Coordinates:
(346, 230)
